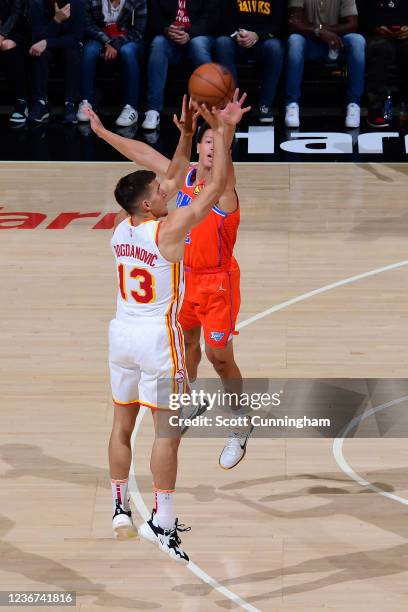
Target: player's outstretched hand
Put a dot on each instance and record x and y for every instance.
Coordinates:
(235, 110)
(212, 117)
(187, 123)
(95, 122)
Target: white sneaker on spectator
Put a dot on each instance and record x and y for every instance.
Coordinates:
(151, 121)
(353, 115)
(292, 115)
(81, 116)
(127, 117)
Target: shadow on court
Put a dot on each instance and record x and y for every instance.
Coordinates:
(349, 500)
(349, 567)
(342, 497)
(374, 229)
(30, 460)
(42, 570)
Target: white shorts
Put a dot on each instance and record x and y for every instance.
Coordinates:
(146, 361)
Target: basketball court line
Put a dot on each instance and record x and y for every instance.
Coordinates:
(135, 493)
(309, 294)
(345, 467)
(144, 512)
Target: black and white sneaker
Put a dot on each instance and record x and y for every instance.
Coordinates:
(166, 539)
(192, 412)
(122, 523)
(265, 114)
(127, 117)
(20, 112)
(235, 448)
(40, 112)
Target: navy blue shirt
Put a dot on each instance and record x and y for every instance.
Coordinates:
(265, 17)
(58, 35)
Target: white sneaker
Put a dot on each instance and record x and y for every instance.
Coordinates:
(122, 524)
(81, 116)
(127, 117)
(234, 449)
(292, 115)
(167, 540)
(151, 121)
(353, 115)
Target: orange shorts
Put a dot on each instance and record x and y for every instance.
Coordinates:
(212, 300)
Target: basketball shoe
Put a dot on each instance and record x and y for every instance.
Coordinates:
(235, 448)
(122, 523)
(166, 539)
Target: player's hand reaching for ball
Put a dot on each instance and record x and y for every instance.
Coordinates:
(187, 123)
(212, 117)
(235, 110)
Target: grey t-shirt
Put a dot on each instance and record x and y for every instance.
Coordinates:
(326, 12)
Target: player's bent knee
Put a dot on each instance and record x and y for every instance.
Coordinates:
(174, 443)
(192, 337)
(191, 344)
(170, 443)
(120, 436)
(123, 428)
(219, 363)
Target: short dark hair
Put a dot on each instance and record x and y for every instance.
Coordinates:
(131, 188)
(202, 130)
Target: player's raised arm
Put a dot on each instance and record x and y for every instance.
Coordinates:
(177, 170)
(232, 115)
(139, 152)
(180, 221)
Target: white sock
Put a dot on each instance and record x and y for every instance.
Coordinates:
(164, 509)
(120, 493)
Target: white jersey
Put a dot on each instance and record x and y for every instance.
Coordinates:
(149, 285)
(146, 349)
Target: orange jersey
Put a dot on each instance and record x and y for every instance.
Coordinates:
(209, 245)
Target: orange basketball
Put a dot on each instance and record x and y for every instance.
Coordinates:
(212, 84)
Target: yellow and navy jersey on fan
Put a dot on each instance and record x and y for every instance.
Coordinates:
(149, 285)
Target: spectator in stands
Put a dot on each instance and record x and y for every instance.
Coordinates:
(14, 43)
(115, 30)
(387, 27)
(56, 27)
(254, 31)
(323, 31)
(180, 29)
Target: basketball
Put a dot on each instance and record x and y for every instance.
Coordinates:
(212, 84)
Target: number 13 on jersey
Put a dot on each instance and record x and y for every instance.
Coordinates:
(145, 294)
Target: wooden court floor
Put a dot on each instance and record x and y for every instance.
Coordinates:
(287, 530)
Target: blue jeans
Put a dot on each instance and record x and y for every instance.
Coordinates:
(129, 57)
(164, 52)
(301, 49)
(270, 52)
(72, 61)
